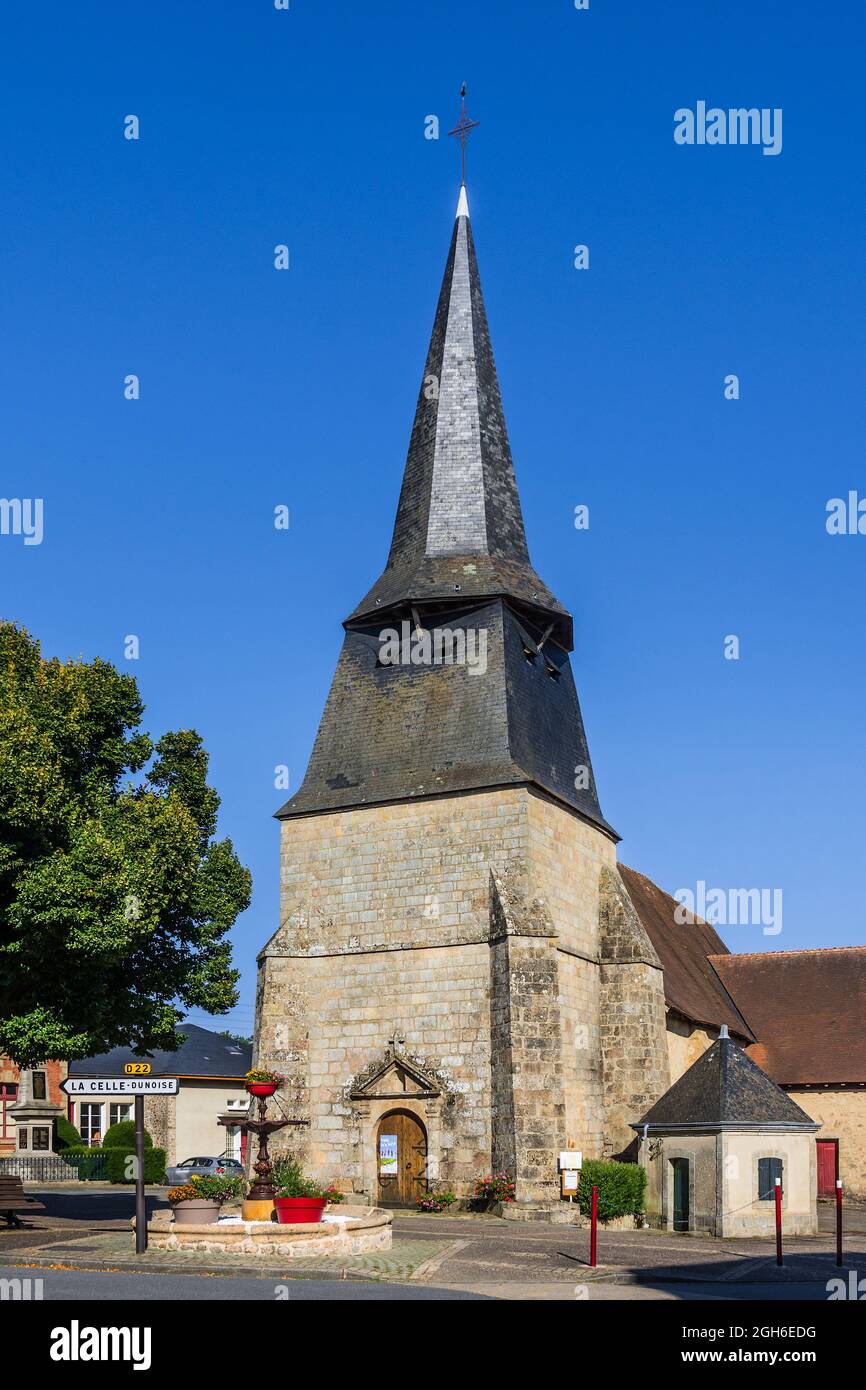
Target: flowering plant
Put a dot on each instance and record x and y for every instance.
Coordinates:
(186, 1193)
(498, 1187)
(263, 1076)
(436, 1201)
(334, 1195)
(207, 1189)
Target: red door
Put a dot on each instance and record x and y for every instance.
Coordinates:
(826, 1167)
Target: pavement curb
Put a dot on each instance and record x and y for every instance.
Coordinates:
(277, 1273)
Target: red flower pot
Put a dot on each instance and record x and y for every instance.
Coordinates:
(262, 1088)
(294, 1209)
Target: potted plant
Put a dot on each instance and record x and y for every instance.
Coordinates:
(498, 1187)
(261, 1082)
(199, 1201)
(298, 1198)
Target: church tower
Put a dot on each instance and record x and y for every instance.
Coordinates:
(459, 983)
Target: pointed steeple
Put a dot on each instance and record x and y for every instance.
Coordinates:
(459, 528)
(415, 725)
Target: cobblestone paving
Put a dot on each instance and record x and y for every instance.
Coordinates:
(114, 1250)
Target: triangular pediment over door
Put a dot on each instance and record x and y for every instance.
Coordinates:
(396, 1078)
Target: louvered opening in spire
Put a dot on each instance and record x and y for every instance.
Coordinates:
(459, 528)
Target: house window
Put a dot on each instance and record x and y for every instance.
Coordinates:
(769, 1169)
(40, 1138)
(8, 1094)
(40, 1087)
(118, 1112)
(90, 1125)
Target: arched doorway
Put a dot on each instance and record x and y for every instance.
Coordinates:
(401, 1159)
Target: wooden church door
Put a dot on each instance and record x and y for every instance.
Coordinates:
(401, 1159)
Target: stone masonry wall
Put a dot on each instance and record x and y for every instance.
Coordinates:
(437, 998)
(390, 923)
(566, 858)
(635, 1067)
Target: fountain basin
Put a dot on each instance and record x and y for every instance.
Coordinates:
(348, 1230)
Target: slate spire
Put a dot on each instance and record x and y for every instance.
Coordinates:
(459, 526)
(395, 728)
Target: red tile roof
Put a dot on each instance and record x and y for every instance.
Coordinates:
(692, 987)
(807, 1009)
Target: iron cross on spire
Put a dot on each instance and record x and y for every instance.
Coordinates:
(462, 131)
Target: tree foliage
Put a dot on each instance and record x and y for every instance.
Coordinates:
(115, 899)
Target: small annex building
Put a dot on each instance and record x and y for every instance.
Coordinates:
(715, 1143)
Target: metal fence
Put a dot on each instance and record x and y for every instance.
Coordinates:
(71, 1168)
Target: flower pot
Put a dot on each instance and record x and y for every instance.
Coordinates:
(293, 1209)
(262, 1088)
(196, 1213)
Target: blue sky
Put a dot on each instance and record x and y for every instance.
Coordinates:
(258, 387)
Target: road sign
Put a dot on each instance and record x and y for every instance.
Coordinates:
(136, 1068)
(120, 1086)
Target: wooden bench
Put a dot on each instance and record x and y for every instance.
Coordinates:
(14, 1199)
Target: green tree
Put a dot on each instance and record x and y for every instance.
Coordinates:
(115, 899)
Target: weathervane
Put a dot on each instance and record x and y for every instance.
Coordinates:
(462, 130)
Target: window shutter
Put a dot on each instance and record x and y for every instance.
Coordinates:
(769, 1169)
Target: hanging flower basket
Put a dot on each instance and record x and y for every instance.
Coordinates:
(259, 1082)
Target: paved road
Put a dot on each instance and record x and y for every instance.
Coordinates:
(493, 1252)
(72, 1286)
(494, 1258)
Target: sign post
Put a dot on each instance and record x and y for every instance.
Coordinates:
(140, 1214)
(838, 1221)
(138, 1087)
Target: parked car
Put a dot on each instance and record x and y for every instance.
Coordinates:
(204, 1167)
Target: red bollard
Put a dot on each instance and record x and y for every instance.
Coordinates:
(778, 1221)
(593, 1230)
(838, 1221)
